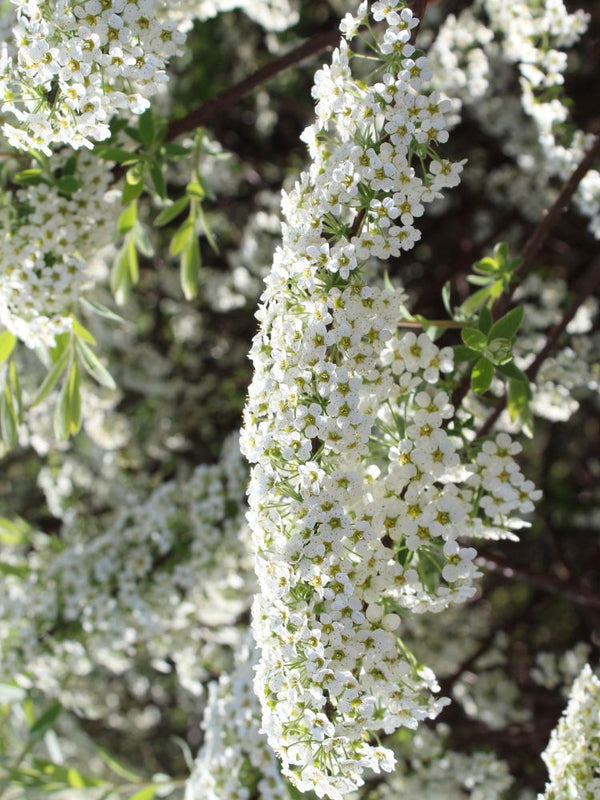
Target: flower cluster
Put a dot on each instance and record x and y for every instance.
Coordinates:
(572, 371)
(360, 490)
(470, 55)
(573, 752)
(159, 576)
(74, 65)
(235, 761)
(428, 770)
(49, 235)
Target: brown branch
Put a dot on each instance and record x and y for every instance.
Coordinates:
(226, 100)
(549, 584)
(588, 286)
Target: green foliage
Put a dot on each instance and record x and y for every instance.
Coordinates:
(494, 274)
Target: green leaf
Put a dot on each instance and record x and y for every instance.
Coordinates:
(61, 417)
(479, 280)
(101, 310)
(94, 367)
(52, 377)
(182, 236)
(81, 332)
(74, 402)
(485, 320)
(474, 339)
(508, 325)
(142, 240)
(499, 351)
(67, 184)
(501, 252)
(190, 268)
(146, 127)
(446, 297)
(45, 721)
(13, 382)
(116, 154)
(127, 218)
(8, 418)
(120, 276)
(171, 212)
(29, 176)
(462, 353)
(518, 405)
(510, 370)
(481, 377)
(158, 179)
(134, 270)
(7, 344)
(172, 150)
(476, 300)
(206, 228)
(70, 166)
(131, 191)
(486, 266)
(147, 793)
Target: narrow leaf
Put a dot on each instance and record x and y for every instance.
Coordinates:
(146, 127)
(8, 419)
(81, 332)
(190, 268)
(101, 310)
(171, 212)
(61, 419)
(52, 377)
(116, 154)
(94, 367)
(134, 270)
(158, 179)
(182, 236)
(74, 402)
(485, 320)
(127, 218)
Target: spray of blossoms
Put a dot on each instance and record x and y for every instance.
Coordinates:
(76, 64)
(573, 752)
(469, 58)
(360, 491)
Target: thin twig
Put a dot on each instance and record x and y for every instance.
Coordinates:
(546, 582)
